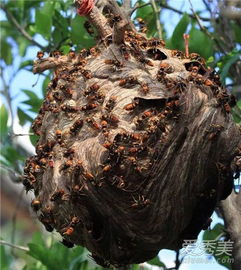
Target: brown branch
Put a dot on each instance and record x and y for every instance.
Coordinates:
(119, 31)
(167, 7)
(197, 18)
(12, 19)
(99, 21)
(232, 217)
(49, 63)
(157, 15)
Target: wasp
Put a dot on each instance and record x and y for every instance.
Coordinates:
(55, 54)
(87, 74)
(103, 123)
(78, 124)
(69, 92)
(144, 88)
(111, 103)
(167, 68)
(131, 106)
(141, 201)
(93, 123)
(155, 42)
(71, 54)
(129, 80)
(68, 231)
(58, 134)
(125, 52)
(106, 168)
(145, 61)
(28, 184)
(68, 108)
(107, 145)
(88, 175)
(94, 51)
(113, 62)
(89, 28)
(67, 164)
(36, 204)
(89, 106)
(94, 87)
(40, 55)
(57, 195)
(113, 119)
(69, 152)
(178, 54)
(75, 220)
(142, 25)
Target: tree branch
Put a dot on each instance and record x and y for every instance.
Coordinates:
(2, 242)
(12, 19)
(157, 15)
(232, 217)
(180, 12)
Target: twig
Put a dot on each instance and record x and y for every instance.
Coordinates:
(20, 29)
(138, 6)
(157, 14)
(180, 12)
(204, 29)
(186, 37)
(2, 242)
(12, 135)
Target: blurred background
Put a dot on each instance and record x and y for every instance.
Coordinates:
(28, 26)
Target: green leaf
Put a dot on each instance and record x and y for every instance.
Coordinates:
(65, 49)
(177, 36)
(214, 233)
(148, 15)
(6, 52)
(26, 63)
(23, 117)
(197, 38)
(239, 104)
(33, 138)
(227, 66)
(144, 11)
(156, 261)
(34, 101)
(12, 155)
(23, 44)
(5, 259)
(78, 33)
(3, 120)
(43, 19)
(237, 31)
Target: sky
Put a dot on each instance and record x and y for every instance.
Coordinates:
(26, 80)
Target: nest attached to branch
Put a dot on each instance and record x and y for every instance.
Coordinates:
(137, 145)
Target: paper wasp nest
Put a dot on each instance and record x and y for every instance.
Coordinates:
(135, 149)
